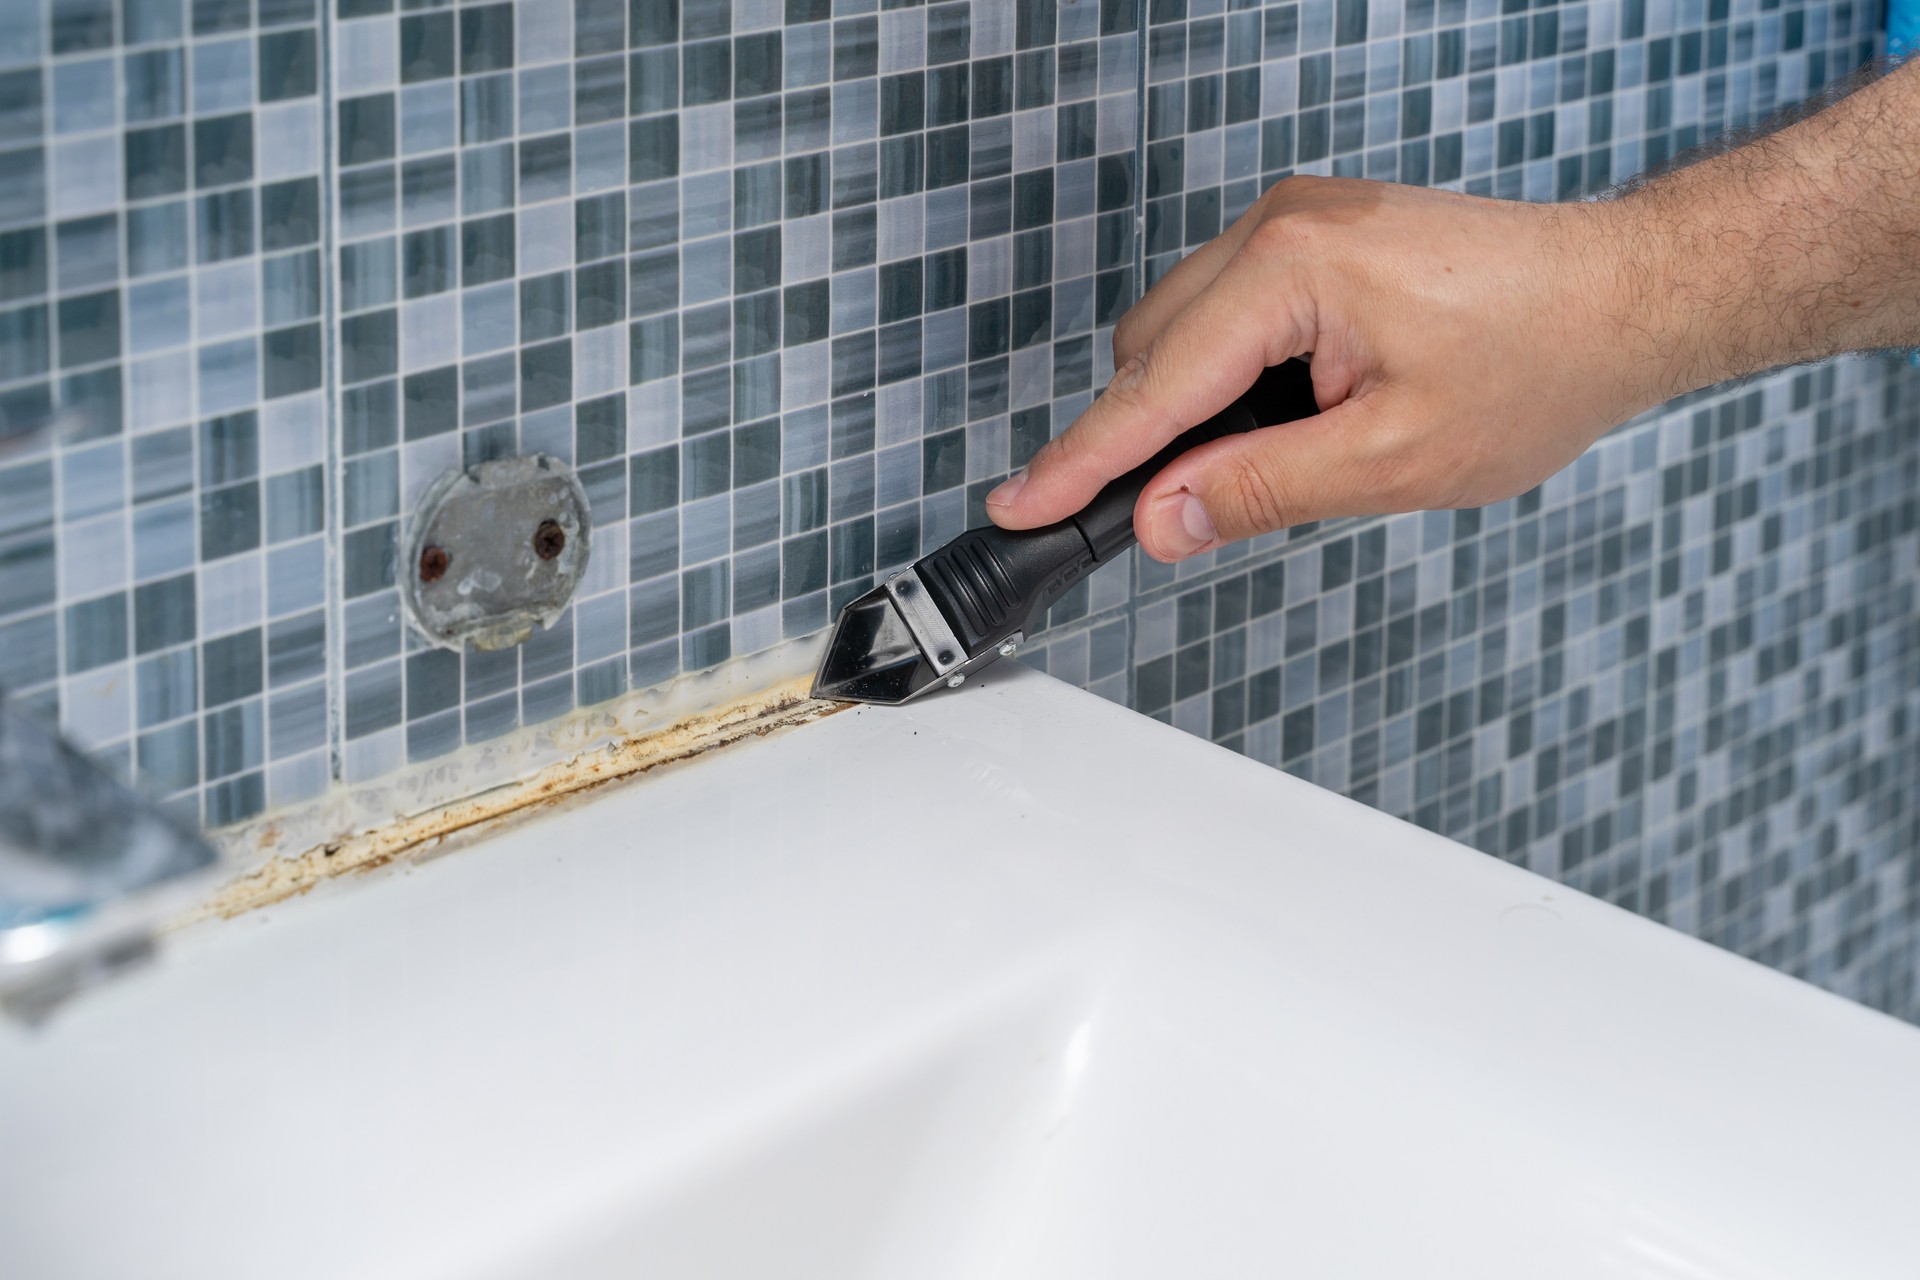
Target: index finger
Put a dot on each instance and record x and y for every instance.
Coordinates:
(1204, 359)
(1193, 273)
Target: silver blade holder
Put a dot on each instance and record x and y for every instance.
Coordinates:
(940, 648)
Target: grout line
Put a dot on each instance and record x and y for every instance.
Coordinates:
(1132, 609)
(330, 496)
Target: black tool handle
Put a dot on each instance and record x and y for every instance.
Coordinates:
(989, 581)
(1283, 393)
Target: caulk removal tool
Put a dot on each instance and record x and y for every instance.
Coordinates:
(959, 608)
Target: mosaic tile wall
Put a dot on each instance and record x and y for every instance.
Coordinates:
(793, 283)
(163, 419)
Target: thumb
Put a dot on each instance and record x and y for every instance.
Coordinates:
(1246, 485)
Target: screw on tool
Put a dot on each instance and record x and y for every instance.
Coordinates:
(549, 540)
(433, 563)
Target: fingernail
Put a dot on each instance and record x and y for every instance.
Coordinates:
(1130, 373)
(1181, 526)
(1007, 490)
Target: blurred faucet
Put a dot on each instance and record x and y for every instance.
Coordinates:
(89, 869)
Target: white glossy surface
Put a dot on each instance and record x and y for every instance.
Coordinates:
(1007, 983)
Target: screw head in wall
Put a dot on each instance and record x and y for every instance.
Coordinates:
(954, 682)
(494, 550)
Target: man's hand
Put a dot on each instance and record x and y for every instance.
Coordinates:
(1445, 330)
(1466, 349)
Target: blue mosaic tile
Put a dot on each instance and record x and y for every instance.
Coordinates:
(152, 332)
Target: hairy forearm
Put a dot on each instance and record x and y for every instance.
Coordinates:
(1800, 244)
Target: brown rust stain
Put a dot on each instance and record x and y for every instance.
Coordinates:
(422, 836)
